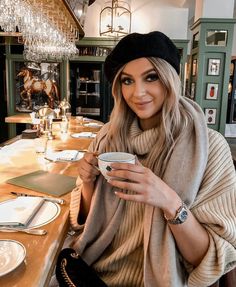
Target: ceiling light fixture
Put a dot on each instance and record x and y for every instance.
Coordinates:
(115, 19)
(49, 29)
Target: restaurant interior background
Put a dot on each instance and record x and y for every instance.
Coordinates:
(203, 30)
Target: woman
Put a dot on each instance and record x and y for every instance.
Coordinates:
(171, 222)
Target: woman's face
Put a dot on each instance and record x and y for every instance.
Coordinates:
(143, 91)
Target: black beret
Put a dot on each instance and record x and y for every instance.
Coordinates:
(135, 45)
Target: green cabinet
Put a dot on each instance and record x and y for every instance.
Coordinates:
(209, 68)
(90, 93)
(182, 46)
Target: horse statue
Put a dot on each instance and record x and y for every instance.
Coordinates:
(33, 84)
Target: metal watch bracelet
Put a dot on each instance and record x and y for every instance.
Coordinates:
(180, 217)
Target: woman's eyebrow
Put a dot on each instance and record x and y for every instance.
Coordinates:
(144, 73)
(124, 74)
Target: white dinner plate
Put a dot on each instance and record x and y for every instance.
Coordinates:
(47, 213)
(12, 254)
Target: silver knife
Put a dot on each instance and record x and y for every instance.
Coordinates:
(52, 199)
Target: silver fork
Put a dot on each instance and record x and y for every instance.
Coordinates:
(26, 230)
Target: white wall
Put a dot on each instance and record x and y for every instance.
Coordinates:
(146, 16)
(218, 9)
(91, 25)
(170, 20)
(169, 17)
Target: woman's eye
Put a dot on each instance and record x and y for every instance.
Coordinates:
(152, 77)
(126, 81)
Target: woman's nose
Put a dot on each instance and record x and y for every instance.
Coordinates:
(139, 90)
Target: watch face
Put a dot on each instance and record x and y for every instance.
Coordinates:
(183, 215)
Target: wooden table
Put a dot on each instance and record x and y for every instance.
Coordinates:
(23, 118)
(41, 251)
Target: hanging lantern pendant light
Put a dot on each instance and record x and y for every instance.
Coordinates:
(115, 19)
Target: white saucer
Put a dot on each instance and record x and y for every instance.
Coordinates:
(12, 254)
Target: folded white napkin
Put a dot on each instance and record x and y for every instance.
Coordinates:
(93, 125)
(84, 135)
(67, 155)
(20, 211)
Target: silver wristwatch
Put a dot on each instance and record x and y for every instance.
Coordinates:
(181, 215)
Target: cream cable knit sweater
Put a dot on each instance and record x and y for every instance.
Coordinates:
(123, 259)
(212, 201)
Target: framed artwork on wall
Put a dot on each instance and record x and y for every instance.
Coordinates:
(36, 85)
(212, 91)
(210, 115)
(213, 67)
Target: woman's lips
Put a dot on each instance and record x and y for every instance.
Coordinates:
(142, 104)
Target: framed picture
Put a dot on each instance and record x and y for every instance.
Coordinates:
(194, 67)
(210, 115)
(212, 91)
(192, 91)
(36, 85)
(213, 67)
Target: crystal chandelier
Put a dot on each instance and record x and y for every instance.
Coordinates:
(115, 19)
(49, 29)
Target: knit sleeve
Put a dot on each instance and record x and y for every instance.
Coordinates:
(75, 199)
(75, 205)
(215, 209)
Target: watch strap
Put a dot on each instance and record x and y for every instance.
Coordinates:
(180, 217)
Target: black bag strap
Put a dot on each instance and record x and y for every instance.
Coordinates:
(73, 271)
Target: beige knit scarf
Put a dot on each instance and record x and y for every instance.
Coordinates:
(183, 173)
(142, 141)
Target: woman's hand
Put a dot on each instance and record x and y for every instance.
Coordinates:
(148, 187)
(191, 237)
(87, 167)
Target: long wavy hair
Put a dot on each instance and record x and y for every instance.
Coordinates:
(172, 124)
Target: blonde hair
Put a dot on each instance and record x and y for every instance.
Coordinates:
(173, 121)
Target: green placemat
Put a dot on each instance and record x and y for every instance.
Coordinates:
(45, 182)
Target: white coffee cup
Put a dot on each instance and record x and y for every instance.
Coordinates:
(105, 160)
